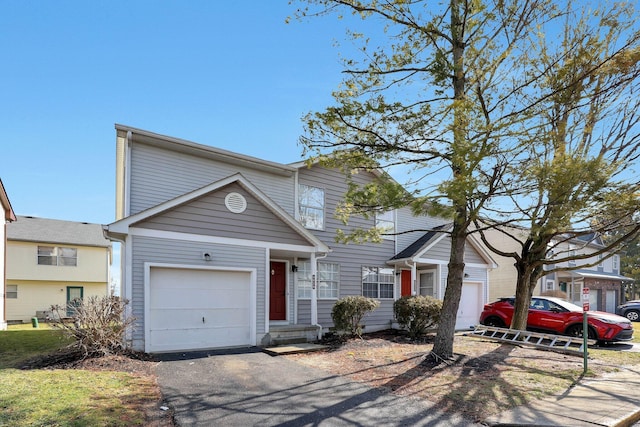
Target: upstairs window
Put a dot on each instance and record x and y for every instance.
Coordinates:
(385, 221)
(52, 255)
(12, 291)
(377, 282)
(600, 261)
(615, 262)
(311, 207)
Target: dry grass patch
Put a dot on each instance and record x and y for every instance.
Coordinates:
(485, 378)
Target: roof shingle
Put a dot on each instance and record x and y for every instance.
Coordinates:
(43, 230)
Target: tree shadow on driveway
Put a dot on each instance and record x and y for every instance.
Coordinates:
(255, 389)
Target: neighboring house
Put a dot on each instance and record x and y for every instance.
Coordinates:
(53, 262)
(221, 249)
(603, 279)
(8, 216)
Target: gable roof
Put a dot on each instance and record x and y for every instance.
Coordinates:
(205, 151)
(122, 226)
(55, 231)
(431, 238)
(9, 215)
(424, 240)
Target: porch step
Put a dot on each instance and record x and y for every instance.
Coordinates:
(293, 348)
(288, 340)
(292, 334)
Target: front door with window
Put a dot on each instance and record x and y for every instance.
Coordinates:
(74, 299)
(278, 291)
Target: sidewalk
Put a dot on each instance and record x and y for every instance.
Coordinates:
(613, 400)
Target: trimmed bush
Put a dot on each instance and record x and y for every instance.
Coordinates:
(417, 313)
(98, 325)
(347, 313)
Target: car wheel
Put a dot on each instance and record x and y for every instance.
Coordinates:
(495, 322)
(576, 331)
(633, 315)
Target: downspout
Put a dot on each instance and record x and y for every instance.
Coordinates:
(127, 178)
(314, 292)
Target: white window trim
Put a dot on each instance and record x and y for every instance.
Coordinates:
(57, 254)
(12, 292)
(308, 298)
(380, 223)
(300, 206)
(550, 285)
(378, 283)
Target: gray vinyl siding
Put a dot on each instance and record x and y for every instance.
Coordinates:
(146, 249)
(158, 175)
(475, 274)
(351, 257)
(441, 251)
(471, 255)
(209, 216)
(406, 222)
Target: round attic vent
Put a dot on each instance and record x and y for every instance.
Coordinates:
(235, 202)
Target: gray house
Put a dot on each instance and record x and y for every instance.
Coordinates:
(221, 249)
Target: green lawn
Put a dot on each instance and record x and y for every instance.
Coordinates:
(636, 331)
(57, 397)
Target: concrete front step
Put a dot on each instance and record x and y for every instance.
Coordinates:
(292, 334)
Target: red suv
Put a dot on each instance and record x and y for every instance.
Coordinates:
(557, 316)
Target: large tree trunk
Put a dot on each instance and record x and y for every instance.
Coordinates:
(528, 276)
(443, 344)
(523, 299)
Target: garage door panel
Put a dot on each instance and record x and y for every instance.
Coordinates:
(470, 305)
(168, 319)
(199, 298)
(193, 279)
(191, 339)
(179, 299)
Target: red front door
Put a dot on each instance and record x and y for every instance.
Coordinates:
(277, 291)
(405, 283)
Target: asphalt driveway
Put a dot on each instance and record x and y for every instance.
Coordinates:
(251, 388)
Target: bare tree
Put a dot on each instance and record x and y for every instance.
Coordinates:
(577, 179)
(444, 93)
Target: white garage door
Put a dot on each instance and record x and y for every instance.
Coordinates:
(470, 305)
(198, 309)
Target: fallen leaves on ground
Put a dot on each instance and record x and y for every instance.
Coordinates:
(483, 379)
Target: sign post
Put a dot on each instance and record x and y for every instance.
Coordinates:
(585, 327)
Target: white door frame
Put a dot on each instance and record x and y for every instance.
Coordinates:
(287, 294)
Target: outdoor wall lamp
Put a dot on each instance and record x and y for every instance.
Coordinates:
(294, 268)
(206, 256)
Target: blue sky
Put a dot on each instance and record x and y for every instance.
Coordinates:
(229, 74)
